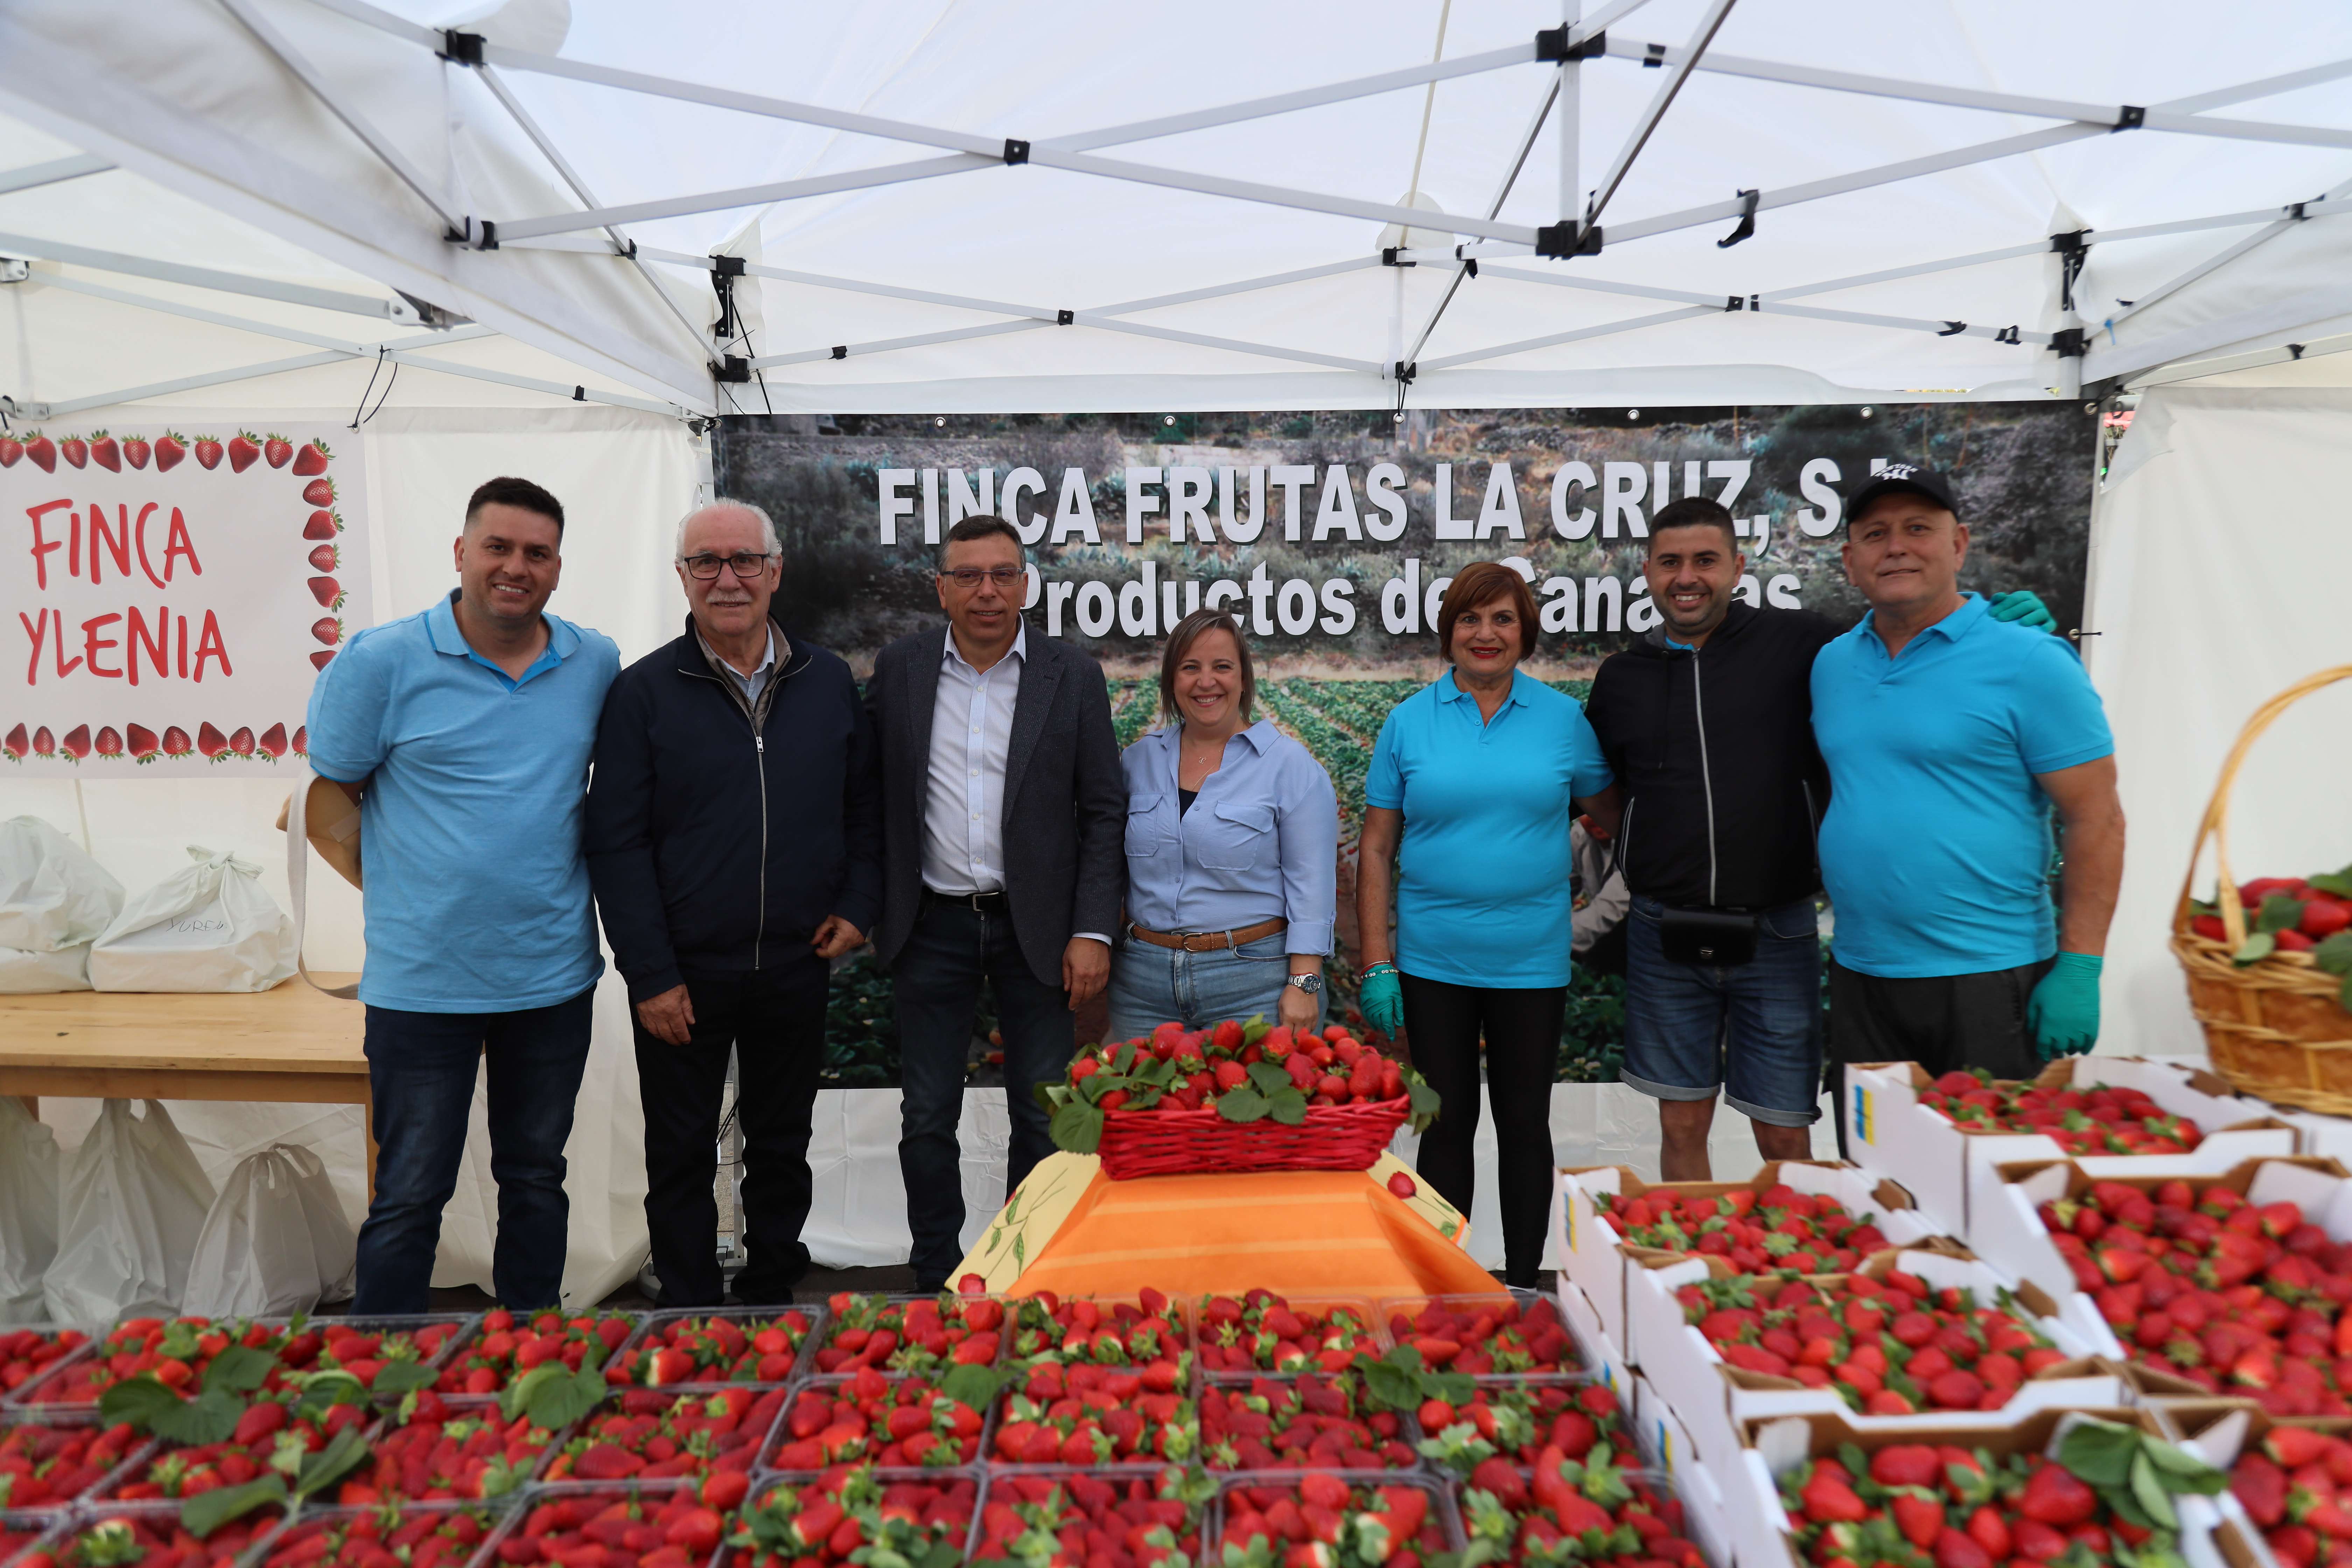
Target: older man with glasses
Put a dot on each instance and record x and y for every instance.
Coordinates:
(734, 841)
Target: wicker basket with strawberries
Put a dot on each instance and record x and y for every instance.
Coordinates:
(1238, 1097)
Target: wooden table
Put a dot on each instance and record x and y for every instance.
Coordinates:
(290, 1045)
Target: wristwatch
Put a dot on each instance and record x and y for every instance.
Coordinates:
(1310, 983)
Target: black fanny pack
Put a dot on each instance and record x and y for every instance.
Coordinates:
(1711, 939)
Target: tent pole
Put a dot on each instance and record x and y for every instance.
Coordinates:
(49, 174)
(1571, 120)
(1502, 193)
(239, 323)
(2221, 259)
(205, 277)
(750, 196)
(1677, 73)
(1605, 330)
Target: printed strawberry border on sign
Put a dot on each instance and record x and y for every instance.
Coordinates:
(321, 535)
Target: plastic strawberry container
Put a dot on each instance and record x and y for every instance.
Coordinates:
(140, 1467)
(64, 1391)
(846, 1313)
(510, 1369)
(133, 1456)
(1442, 1510)
(588, 1498)
(1028, 1485)
(462, 1408)
(1185, 1418)
(11, 1400)
(226, 1547)
(1657, 1482)
(886, 1476)
(461, 1327)
(1568, 1362)
(1362, 1409)
(751, 1319)
(23, 1532)
(1209, 1334)
(715, 1435)
(1027, 1345)
(286, 1546)
(772, 1459)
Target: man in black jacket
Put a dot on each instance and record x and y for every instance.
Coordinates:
(1708, 724)
(734, 841)
(1004, 824)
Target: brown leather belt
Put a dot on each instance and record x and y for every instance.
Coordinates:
(1209, 941)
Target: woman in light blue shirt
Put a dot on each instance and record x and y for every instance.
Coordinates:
(1233, 846)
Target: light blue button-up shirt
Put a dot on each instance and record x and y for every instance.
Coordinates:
(477, 894)
(1261, 839)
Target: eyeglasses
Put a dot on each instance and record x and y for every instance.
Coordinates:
(745, 567)
(970, 578)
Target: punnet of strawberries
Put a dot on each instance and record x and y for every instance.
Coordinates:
(271, 1434)
(1136, 1333)
(2106, 1497)
(1513, 1425)
(2296, 1486)
(1594, 1509)
(2310, 915)
(43, 1466)
(895, 1421)
(1778, 1231)
(720, 1348)
(1039, 1521)
(1093, 1414)
(649, 1525)
(2101, 1120)
(1489, 1335)
(1244, 1072)
(504, 1349)
(1890, 1346)
(924, 1334)
(2238, 1297)
(26, 1354)
(329, 1344)
(856, 1514)
(1322, 1521)
(1309, 1421)
(155, 1538)
(175, 1352)
(656, 1434)
(480, 1453)
(19, 1531)
(391, 1535)
(1261, 1331)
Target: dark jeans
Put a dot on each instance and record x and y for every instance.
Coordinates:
(936, 985)
(421, 1074)
(773, 1020)
(1943, 1021)
(1443, 1022)
(1754, 1031)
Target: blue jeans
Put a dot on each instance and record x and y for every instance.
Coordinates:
(421, 1073)
(936, 985)
(1149, 986)
(1754, 1031)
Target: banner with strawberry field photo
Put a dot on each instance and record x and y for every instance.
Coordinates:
(167, 595)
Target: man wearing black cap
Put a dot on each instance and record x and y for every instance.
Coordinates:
(1949, 737)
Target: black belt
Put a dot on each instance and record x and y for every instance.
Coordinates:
(978, 903)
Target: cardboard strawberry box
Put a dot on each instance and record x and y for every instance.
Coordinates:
(2268, 1469)
(1943, 1164)
(1782, 1451)
(1664, 1445)
(1713, 1396)
(1601, 1355)
(1590, 1218)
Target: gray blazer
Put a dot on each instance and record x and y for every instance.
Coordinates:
(1065, 804)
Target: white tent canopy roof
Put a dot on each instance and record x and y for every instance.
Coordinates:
(956, 205)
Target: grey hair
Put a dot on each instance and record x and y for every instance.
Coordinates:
(767, 524)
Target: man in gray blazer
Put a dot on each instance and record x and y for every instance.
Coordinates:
(1004, 822)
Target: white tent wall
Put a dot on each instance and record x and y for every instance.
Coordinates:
(624, 479)
(2218, 556)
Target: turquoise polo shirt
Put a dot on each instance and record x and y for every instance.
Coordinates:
(1483, 867)
(474, 890)
(1936, 848)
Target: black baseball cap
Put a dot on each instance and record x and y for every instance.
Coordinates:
(1903, 479)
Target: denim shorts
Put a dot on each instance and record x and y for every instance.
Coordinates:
(1754, 1032)
(1149, 986)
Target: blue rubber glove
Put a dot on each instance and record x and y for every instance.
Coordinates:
(2024, 606)
(2064, 1011)
(1384, 1001)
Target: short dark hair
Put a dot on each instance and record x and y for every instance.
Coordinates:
(1181, 638)
(981, 526)
(1482, 583)
(1696, 511)
(507, 490)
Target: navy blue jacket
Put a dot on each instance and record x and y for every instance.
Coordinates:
(713, 846)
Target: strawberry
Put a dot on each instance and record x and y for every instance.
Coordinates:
(313, 458)
(42, 451)
(135, 450)
(322, 525)
(11, 449)
(1489, 1335)
(1320, 1521)
(327, 592)
(244, 448)
(170, 448)
(302, 740)
(2056, 1496)
(500, 1349)
(417, 1537)
(319, 492)
(211, 741)
(1310, 1422)
(328, 630)
(105, 451)
(276, 450)
(242, 743)
(1402, 1185)
(144, 744)
(110, 743)
(47, 1467)
(872, 1418)
(44, 743)
(15, 745)
(848, 1512)
(755, 1347)
(208, 451)
(273, 741)
(77, 743)
(75, 450)
(923, 1335)
(321, 660)
(1260, 1332)
(176, 743)
(326, 558)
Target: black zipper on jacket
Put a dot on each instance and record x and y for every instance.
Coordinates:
(1705, 776)
(759, 764)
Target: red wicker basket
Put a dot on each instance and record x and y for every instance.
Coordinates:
(1202, 1142)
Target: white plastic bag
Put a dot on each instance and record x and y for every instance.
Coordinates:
(28, 1211)
(276, 1241)
(207, 927)
(53, 900)
(134, 1201)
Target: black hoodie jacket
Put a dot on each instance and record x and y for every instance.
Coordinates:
(1714, 751)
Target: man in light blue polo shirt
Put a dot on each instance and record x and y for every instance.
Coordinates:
(465, 732)
(1948, 736)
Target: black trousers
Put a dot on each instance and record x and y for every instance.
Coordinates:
(1944, 1022)
(1443, 1022)
(773, 1017)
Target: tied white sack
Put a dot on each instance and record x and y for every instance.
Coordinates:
(275, 1243)
(54, 899)
(207, 927)
(134, 1202)
(29, 1212)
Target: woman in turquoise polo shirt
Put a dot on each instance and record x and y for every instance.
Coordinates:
(1467, 818)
